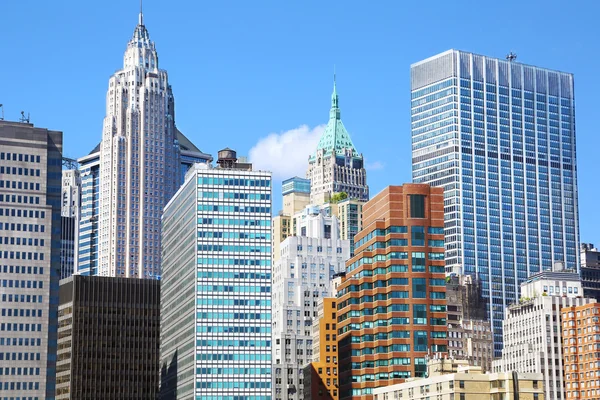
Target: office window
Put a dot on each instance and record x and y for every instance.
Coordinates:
(417, 206)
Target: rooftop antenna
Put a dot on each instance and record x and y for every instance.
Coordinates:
(511, 56)
(24, 119)
(2, 107)
(141, 20)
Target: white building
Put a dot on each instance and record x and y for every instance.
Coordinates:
(532, 328)
(70, 216)
(139, 158)
(301, 276)
(216, 284)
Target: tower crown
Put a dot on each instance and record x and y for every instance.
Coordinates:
(141, 51)
(336, 139)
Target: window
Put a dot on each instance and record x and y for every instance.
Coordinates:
(461, 384)
(417, 206)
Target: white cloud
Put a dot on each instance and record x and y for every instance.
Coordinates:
(374, 166)
(286, 153)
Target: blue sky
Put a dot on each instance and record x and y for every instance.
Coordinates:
(244, 70)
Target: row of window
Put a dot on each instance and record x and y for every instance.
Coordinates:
(9, 312)
(233, 371)
(20, 341)
(20, 185)
(17, 269)
(234, 222)
(9, 283)
(232, 275)
(233, 249)
(19, 171)
(232, 329)
(17, 241)
(232, 357)
(233, 209)
(234, 261)
(233, 196)
(19, 157)
(234, 343)
(20, 199)
(234, 316)
(20, 328)
(233, 289)
(13, 212)
(235, 235)
(23, 298)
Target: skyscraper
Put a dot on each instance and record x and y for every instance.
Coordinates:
(216, 284)
(70, 216)
(301, 277)
(108, 338)
(391, 305)
(128, 177)
(30, 202)
(499, 137)
(336, 166)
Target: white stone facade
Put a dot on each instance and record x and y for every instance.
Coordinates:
(532, 329)
(301, 277)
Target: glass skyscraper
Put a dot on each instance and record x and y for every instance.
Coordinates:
(216, 285)
(499, 137)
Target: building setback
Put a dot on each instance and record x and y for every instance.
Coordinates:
(499, 137)
(533, 341)
(454, 380)
(129, 177)
(301, 277)
(590, 270)
(581, 325)
(108, 338)
(70, 216)
(469, 330)
(216, 284)
(392, 302)
(30, 190)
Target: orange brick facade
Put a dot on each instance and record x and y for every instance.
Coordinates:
(391, 305)
(581, 351)
(321, 377)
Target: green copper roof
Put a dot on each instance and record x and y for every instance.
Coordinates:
(336, 137)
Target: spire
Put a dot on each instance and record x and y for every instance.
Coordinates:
(334, 113)
(141, 17)
(335, 139)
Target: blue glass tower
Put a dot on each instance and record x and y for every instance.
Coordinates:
(499, 136)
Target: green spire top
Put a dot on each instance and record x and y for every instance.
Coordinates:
(335, 138)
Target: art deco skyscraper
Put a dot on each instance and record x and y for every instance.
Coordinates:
(139, 156)
(336, 166)
(499, 137)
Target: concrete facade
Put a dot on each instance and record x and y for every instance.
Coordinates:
(30, 217)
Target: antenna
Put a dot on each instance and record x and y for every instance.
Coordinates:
(511, 56)
(24, 119)
(2, 107)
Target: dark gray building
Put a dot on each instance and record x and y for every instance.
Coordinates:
(108, 339)
(590, 270)
(30, 180)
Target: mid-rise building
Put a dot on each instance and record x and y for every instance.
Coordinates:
(296, 196)
(581, 325)
(590, 270)
(451, 380)
(321, 375)
(108, 338)
(131, 171)
(216, 284)
(349, 213)
(336, 166)
(469, 330)
(30, 202)
(499, 137)
(533, 341)
(301, 277)
(70, 216)
(392, 302)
